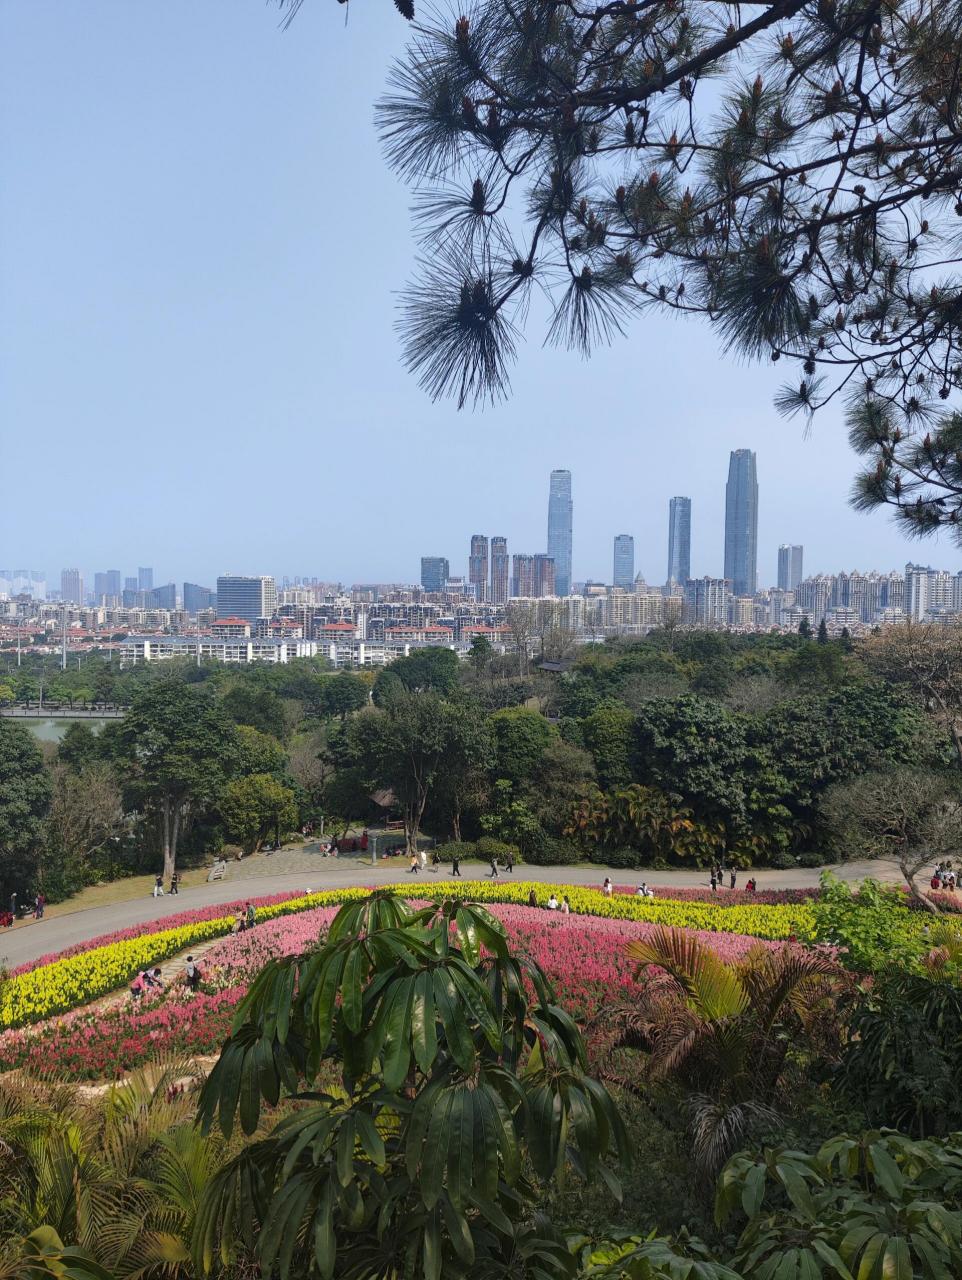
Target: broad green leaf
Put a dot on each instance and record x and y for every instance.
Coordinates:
(423, 1027)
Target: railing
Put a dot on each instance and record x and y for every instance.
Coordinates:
(63, 711)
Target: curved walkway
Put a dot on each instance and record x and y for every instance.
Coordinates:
(59, 932)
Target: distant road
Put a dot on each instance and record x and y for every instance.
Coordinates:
(27, 942)
(56, 712)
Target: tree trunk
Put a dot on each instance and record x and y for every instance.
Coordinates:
(956, 739)
(456, 825)
(168, 843)
(170, 856)
(915, 892)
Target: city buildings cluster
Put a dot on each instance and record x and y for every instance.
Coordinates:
(511, 599)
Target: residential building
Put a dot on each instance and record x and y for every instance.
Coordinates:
(239, 596)
(145, 579)
(705, 602)
(814, 596)
(137, 649)
(741, 523)
(196, 598)
(789, 566)
(522, 575)
(500, 577)
(478, 566)
(230, 629)
(679, 541)
(545, 576)
(624, 562)
(560, 509)
(435, 571)
(113, 584)
(71, 586)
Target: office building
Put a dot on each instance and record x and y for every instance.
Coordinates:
(789, 566)
(559, 529)
(435, 571)
(679, 541)
(522, 575)
(246, 597)
(145, 579)
(741, 523)
(71, 586)
(165, 597)
(545, 583)
(197, 598)
(478, 566)
(624, 563)
(113, 583)
(500, 576)
(131, 585)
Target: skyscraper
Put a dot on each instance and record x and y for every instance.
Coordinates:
(113, 583)
(559, 529)
(624, 566)
(478, 566)
(679, 541)
(145, 579)
(196, 597)
(789, 566)
(499, 571)
(71, 586)
(100, 588)
(522, 575)
(166, 597)
(435, 572)
(544, 576)
(741, 523)
(245, 597)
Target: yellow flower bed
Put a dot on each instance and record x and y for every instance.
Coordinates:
(75, 980)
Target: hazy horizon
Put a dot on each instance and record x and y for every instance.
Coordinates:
(200, 251)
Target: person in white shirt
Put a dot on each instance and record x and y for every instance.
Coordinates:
(552, 903)
(607, 888)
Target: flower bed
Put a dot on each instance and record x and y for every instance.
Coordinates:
(582, 955)
(78, 977)
(729, 897)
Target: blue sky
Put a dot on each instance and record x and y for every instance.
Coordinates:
(200, 252)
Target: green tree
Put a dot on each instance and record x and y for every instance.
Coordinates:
(258, 752)
(823, 632)
(78, 746)
(24, 801)
(521, 737)
(460, 1086)
(608, 735)
(255, 807)
(561, 777)
(176, 748)
(480, 655)
(805, 629)
(423, 671)
(343, 694)
(927, 659)
(463, 781)
(510, 819)
(86, 815)
(247, 704)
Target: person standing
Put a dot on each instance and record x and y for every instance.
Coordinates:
(13, 909)
(193, 973)
(607, 888)
(424, 859)
(532, 899)
(714, 880)
(733, 878)
(435, 861)
(565, 906)
(251, 915)
(39, 903)
(175, 882)
(456, 866)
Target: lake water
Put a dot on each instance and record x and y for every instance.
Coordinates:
(54, 728)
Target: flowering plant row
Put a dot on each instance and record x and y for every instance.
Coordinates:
(584, 956)
(78, 978)
(730, 897)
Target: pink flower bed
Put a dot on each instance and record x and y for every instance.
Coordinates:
(582, 955)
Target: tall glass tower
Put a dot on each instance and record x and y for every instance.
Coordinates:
(478, 566)
(624, 567)
(679, 541)
(789, 566)
(559, 529)
(500, 577)
(741, 523)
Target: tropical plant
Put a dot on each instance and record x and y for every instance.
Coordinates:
(723, 1031)
(437, 1083)
(875, 1205)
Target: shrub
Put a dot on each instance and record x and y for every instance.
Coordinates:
(623, 857)
(462, 849)
(783, 861)
(554, 852)
(488, 847)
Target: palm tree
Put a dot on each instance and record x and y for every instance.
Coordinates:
(723, 1031)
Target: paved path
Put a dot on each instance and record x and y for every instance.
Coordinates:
(258, 880)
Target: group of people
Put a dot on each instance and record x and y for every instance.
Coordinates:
(245, 919)
(717, 878)
(35, 908)
(564, 906)
(174, 886)
(944, 877)
(356, 844)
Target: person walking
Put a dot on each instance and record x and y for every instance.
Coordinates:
(424, 859)
(13, 909)
(494, 867)
(193, 973)
(456, 866)
(415, 865)
(39, 903)
(158, 886)
(175, 882)
(435, 861)
(250, 914)
(509, 863)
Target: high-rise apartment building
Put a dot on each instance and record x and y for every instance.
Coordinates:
(789, 566)
(679, 541)
(71, 586)
(130, 584)
(478, 566)
(522, 575)
(196, 598)
(741, 523)
(500, 576)
(435, 571)
(705, 602)
(145, 579)
(249, 598)
(100, 588)
(545, 576)
(624, 563)
(560, 509)
(113, 583)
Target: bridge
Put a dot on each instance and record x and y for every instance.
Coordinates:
(62, 711)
